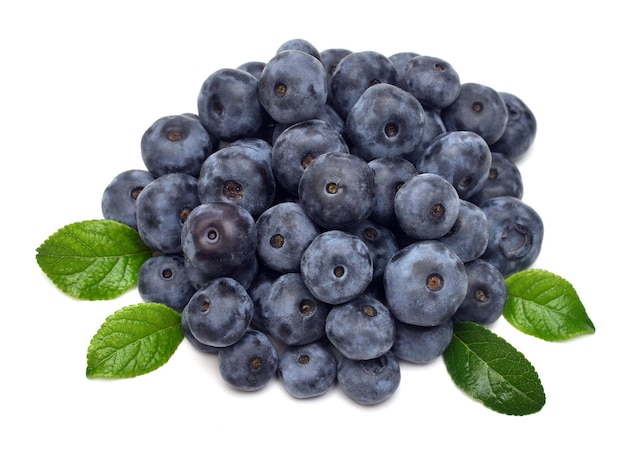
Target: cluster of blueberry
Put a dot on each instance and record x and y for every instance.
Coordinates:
(326, 215)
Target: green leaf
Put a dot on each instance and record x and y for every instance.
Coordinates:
(546, 306)
(492, 371)
(134, 340)
(93, 259)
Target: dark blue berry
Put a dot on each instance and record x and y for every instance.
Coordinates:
(205, 348)
(478, 108)
(380, 241)
(336, 190)
(486, 294)
(515, 234)
(175, 144)
(362, 328)
(425, 283)
(504, 178)
(162, 209)
(302, 45)
(433, 127)
(243, 274)
(399, 60)
(371, 381)
(119, 199)
(253, 67)
(433, 81)
(426, 206)
(309, 370)
(219, 313)
(419, 344)
(163, 279)
(390, 173)
(354, 74)
(520, 131)
(469, 235)
(462, 157)
(385, 121)
(258, 288)
(293, 87)
(219, 238)
(250, 363)
(262, 146)
(229, 106)
(296, 147)
(240, 175)
(284, 231)
(290, 313)
(336, 267)
(330, 59)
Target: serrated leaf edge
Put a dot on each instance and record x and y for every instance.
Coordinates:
(90, 261)
(111, 318)
(524, 303)
(476, 395)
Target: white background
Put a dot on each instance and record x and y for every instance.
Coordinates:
(80, 83)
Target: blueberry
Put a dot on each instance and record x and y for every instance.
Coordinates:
(520, 131)
(205, 348)
(461, 157)
(385, 121)
(247, 272)
(515, 234)
(240, 175)
(302, 45)
(290, 313)
(243, 274)
(293, 86)
(361, 329)
(390, 173)
(296, 147)
(229, 105)
(433, 127)
(327, 114)
(399, 60)
(219, 313)
(250, 363)
(419, 344)
(175, 144)
(262, 146)
(162, 209)
(469, 235)
(219, 238)
(336, 267)
(478, 108)
(425, 283)
(309, 370)
(486, 294)
(331, 58)
(119, 199)
(504, 178)
(433, 81)
(284, 231)
(336, 190)
(253, 67)
(163, 279)
(369, 382)
(258, 288)
(380, 241)
(355, 73)
(330, 115)
(426, 206)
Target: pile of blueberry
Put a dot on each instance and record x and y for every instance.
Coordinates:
(325, 216)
